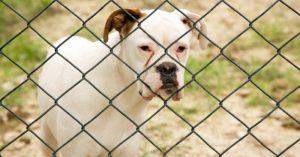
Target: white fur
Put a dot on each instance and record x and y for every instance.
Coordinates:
(110, 77)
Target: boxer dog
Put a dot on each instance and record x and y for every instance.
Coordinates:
(97, 93)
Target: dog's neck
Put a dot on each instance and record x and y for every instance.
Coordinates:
(125, 78)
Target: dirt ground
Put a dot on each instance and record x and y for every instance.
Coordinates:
(220, 130)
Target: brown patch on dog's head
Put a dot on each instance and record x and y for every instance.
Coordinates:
(121, 20)
(189, 20)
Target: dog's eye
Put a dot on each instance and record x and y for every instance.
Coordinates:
(180, 49)
(145, 48)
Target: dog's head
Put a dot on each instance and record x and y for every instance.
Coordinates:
(157, 46)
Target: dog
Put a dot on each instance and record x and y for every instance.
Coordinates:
(98, 96)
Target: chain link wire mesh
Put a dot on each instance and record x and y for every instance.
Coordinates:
(165, 101)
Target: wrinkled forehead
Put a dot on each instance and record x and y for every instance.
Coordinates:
(165, 27)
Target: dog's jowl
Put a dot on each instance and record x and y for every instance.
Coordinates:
(82, 95)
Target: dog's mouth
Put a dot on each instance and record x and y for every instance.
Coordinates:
(169, 88)
(166, 90)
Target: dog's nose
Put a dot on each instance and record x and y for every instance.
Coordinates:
(167, 68)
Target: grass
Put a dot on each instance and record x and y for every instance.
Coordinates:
(278, 78)
(25, 50)
(291, 51)
(27, 53)
(220, 78)
(28, 9)
(251, 52)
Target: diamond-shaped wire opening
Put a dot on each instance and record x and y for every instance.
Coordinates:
(199, 60)
(159, 129)
(221, 130)
(123, 132)
(277, 78)
(273, 135)
(190, 108)
(89, 145)
(223, 20)
(114, 101)
(22, 101)
(248, 147)
(27, 50)
(192, 146)
(276, 29)
(59, 20)
(252, 10)
(84, 90)
(72, 82)
(221, 77)
(249, 104)
(249, 51)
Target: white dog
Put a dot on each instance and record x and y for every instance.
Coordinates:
(104, 81)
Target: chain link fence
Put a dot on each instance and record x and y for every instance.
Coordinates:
(192, 127)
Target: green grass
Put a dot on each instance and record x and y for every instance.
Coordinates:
(220, 77)
(28, 9)
(250, 51)
(272, 31)
(25, 50)
(292, 50)
(276, 80)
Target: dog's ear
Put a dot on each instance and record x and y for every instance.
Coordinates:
(201, 25)
(121, 20)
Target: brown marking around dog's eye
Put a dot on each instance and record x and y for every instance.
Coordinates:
(147, 62)
(187, 22)
(121, 21)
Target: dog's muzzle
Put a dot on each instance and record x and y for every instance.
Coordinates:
(167, 71)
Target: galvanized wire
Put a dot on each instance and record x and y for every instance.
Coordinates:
(165, 105)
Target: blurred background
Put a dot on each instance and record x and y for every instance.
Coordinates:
(223, 131)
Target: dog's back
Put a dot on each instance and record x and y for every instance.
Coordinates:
(78, 100)
(59, 75)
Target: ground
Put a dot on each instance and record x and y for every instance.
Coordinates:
(243, 108)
